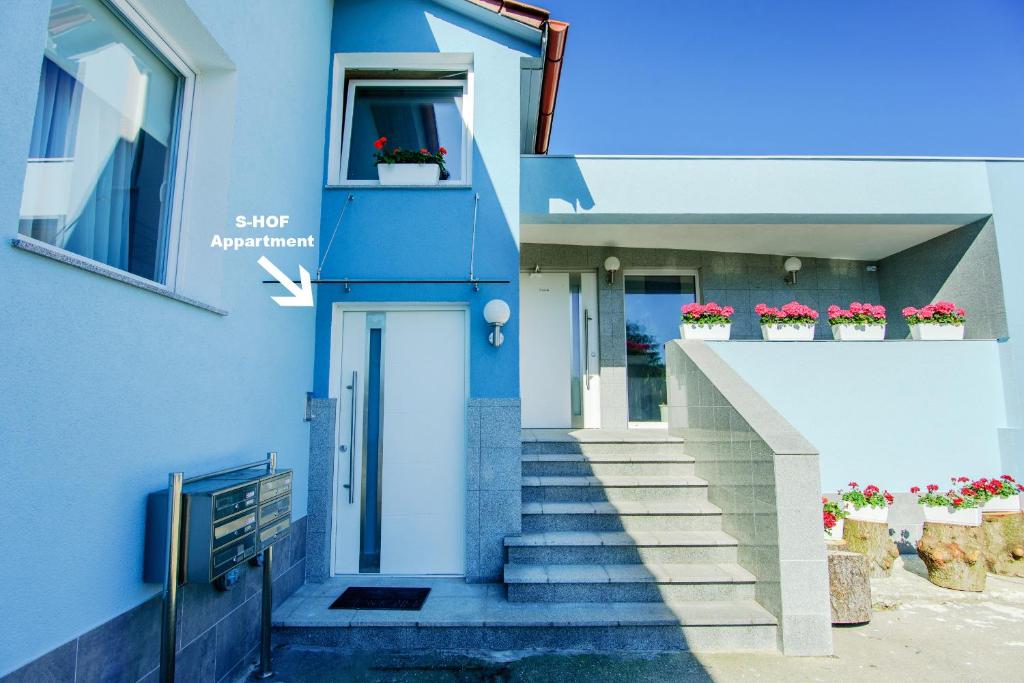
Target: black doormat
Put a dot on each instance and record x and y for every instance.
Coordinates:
(358, 597)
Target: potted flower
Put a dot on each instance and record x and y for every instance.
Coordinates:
(709, 321)
(859, 322)
(832, 516)
(868, 505)
(948, 508)
(792, 322)
(941, 320)
(1000, 494)
(397, 166)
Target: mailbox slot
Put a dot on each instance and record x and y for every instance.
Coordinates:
(231, 555)
(274, 533)
(227, 503)
(275, 485)
(225, 532)
(272, 511)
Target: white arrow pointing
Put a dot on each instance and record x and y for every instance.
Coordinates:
(303, 296)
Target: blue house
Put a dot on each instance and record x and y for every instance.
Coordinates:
(488, 396)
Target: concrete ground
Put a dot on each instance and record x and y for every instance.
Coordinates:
(918, 630)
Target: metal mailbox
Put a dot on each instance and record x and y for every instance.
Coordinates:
(226, 520)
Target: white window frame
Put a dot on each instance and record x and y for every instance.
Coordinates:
(127, 12)
(343, 103)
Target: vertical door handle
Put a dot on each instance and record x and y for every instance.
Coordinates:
(354, 387)
(586, 346)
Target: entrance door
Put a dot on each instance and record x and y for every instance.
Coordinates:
(558, 363)
(652, 304)
(399, 500)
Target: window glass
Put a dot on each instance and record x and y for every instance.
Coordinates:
(412, 118)
(652, 320)
(98, 176)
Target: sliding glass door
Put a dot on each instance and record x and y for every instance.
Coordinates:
(653, 300)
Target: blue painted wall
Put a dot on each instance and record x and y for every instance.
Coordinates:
(107, 387)
(896, 414)
(425, 233)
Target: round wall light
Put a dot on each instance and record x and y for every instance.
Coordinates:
(496, 313)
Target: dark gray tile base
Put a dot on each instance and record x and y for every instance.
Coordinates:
(218, 632)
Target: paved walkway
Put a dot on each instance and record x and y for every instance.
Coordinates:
(919, 631)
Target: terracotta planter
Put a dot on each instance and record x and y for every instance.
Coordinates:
(952, 515)
(718, 332)
(932, 332)
(858, 332)
(409, 174)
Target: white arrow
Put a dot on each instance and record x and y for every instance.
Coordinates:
(303, 296)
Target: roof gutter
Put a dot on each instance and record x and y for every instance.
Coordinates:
(555, 34)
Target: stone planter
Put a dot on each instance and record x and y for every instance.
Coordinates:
(867, 513)
(951, 515)
(780, 332)
(719, 332)
(858, 332)
(931, 332)
(409, 174)
(1008, 504)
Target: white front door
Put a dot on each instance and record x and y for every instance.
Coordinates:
(401, 435)
(558, 362)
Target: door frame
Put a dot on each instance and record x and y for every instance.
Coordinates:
(335, 388)
(590, 340)
(666, 270)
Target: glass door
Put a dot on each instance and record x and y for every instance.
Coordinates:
(652, 302)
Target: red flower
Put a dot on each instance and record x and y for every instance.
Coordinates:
(1007, 477)
(424, 151)
(824, 500)
(829, 519)
(932, 488)
(380, 142)
(853, 484)
(442, 151)
(957, 502)
(915, 489)
(888, 498)
(963, 479)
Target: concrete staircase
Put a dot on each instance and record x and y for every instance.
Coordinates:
(608, 520)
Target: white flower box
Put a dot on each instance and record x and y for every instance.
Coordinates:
(952, 515)
(1008, 504)
(867, 513)
(409, 174)
(780, 332)
(716, 332)
(851, 332)
(936, 332)
(837, 532)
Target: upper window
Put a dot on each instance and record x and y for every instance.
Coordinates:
(102, 156)
(411, 114)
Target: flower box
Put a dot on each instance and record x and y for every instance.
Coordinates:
(837, 532)
(843, 332)
(709, 321)
(999, 504)
(832, 515)
(936, 332)
(409, 174)
(858, 322)
(788, 332)
(868, 513)
(952, 515)
(942, 320)
(715, 332)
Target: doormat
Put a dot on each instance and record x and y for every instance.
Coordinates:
(358, 597)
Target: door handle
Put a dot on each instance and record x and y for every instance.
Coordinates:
(352, 438)
(586, 346)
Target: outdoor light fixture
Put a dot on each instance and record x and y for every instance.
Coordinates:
(536, 271)
(792, 265)
(496, 313)
(612, 265)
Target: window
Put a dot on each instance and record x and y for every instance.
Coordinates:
(411, 114)
(652, 302)
(102, 158)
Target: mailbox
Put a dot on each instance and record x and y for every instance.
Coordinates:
(226, 520)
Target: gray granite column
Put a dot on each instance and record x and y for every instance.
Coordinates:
(321, 489)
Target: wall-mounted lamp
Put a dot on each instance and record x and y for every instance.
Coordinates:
(612, 265)
(792, 266)
(496, 313)
(536, 271)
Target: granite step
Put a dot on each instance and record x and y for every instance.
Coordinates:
(606, 464)
(616, 547)
(628, 582)
(628, 516)
(599, 446)
(614, 488)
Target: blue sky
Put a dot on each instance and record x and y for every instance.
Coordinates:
(887, 77)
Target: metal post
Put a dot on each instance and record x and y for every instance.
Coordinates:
(168, 624)
(266, 670)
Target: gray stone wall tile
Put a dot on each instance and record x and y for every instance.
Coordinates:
(501, 468)
(56, 665)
